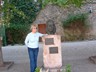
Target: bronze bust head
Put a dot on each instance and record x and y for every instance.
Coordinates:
(50, 27)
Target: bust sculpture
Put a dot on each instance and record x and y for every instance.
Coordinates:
(50, 27)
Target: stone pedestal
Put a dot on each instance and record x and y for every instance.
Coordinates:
(52, 57)
(3, 65)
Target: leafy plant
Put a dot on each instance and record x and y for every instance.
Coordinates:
(73, 18)
(37, 69)
(7, 11)
(68, 68)
(19, 11)
(75, 27)
(16, 33)
(63, 3)
(28, 8)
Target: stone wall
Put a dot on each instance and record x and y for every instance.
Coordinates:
(92, 20)
(58, 14)
(52, 12)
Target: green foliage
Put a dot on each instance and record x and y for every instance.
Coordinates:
(75, 27)
(68, 68)
(16, 33)
(8, 9)
(73, 18)
(37, 69)
(17, 16)
(28, 7)
(63, 3)
(20, 11)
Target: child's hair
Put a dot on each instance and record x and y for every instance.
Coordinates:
(33, 25)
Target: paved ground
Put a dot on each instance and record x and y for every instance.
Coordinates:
(74, 53)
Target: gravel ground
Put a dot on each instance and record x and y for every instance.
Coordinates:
(74, 53)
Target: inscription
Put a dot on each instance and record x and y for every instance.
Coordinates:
(53, 50)
(49, 41)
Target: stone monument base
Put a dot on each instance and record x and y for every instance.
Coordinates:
(61, 69)
(52, 56)
(6, 66)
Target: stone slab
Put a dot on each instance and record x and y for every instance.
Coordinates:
(6, 66)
